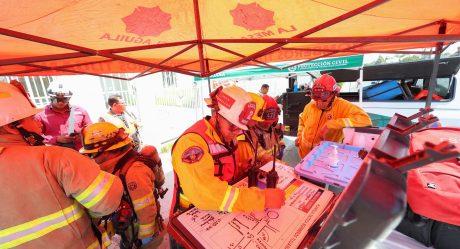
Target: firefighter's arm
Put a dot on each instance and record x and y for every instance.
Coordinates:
(302, 118)
(82, 179)
(195, 168)
(140, 183)
(353, 116)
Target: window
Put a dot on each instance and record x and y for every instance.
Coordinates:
(169, 79)
(122, 87)
(36, 87)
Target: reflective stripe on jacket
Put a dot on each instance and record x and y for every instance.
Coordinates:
(341, 114)
(45, 190)
(197, 173)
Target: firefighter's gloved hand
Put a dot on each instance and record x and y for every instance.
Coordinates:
(274, 198)
(296, 142)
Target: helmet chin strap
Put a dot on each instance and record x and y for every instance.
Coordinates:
(31, 138)
(231, 146)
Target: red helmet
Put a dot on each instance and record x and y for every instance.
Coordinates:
(324, 87)
(271, 110)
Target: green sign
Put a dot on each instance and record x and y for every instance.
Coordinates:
(316, 65)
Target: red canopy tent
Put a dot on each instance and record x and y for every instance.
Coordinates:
(201, 38)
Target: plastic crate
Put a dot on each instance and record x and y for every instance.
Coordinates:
(322, 166)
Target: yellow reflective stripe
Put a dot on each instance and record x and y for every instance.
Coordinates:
(347, 122)
(106, 242)
(235, 197)
(27, 231)
(96, 190)
(94, 245)
(91, 187)
(224, 201)
(143, 202)
(146, 230)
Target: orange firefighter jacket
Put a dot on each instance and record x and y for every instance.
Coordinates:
(341, 114)
(46, 194)
(195, 161)
(140, 182)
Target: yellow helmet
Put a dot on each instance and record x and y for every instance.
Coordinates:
(260, 102)
(103, 136)
(14, 103)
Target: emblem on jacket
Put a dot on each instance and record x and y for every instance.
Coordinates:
(132, 186)
(329, 116)
(192, 154)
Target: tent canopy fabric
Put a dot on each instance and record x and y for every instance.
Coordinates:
(205, 37)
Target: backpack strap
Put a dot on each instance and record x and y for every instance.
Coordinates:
(122, 167)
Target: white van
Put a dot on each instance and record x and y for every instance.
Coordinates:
(399, 88)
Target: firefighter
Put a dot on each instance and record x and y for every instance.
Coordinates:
(325, 116)
(204, 159)
(112, 148)
(47, 191)
(263, 132)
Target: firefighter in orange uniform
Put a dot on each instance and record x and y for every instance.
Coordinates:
(204, 159)
(46, 190)
(262, 132)
(113, 150)
(325, 116)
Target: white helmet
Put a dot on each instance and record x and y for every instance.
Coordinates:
(14, 103)
(234, 104)
(57, 88)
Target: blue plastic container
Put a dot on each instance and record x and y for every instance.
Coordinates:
(386, 90)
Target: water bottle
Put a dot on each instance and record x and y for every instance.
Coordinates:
(296, 86)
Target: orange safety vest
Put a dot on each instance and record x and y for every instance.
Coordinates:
(205, 166)
(225, 160)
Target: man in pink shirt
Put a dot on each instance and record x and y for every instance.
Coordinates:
(62, 122)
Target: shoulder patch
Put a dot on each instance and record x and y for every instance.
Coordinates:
(132, 186)
(192, 154)
(329, 116)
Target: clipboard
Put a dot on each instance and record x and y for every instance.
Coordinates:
(282, 228)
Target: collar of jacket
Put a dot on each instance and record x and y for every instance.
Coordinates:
(109, 165)
(210, 131)
(12, 139)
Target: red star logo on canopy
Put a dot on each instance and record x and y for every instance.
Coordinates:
(252, 16)
(147, 21)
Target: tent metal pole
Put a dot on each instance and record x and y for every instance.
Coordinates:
(434, 72)
(361, 81)
(345, 39)
(199, 36)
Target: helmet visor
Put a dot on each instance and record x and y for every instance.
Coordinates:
(60, 99)
(270, 114)
(319, 93)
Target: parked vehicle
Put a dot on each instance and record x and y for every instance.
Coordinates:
(392, 88)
